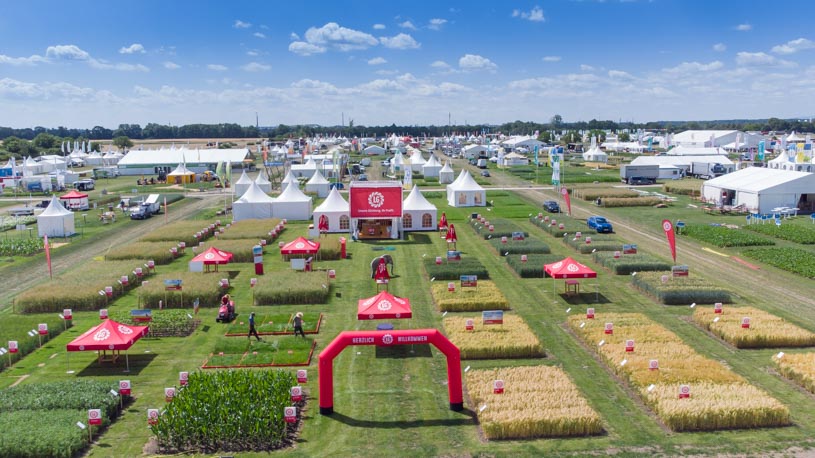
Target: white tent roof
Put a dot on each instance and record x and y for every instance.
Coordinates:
(289, 178)
(447, 168)
(416, 201)
(782, 158)
(176, 156)
(696, 151)
(793, 137)
(181, 170)
(417, 159)
(680, 160)
(432, 161)
(292, 194)
(333, 203)
(465, 182)
(55, 208)
(317, 178)
(757, 179)
(261, 179)
(244, 179)
(255, 195)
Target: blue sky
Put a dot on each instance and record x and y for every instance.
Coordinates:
(86, 63)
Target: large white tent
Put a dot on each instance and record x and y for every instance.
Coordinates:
(595, 154)
(761, 189)
(465, 192)
(318, 184)
(337, 210)
(417, 161)
(432, 167)
(263, 183)
(417, 213)
(446, 174)
(287, 180)
(56, 220)
(374, 150)
(292, 204)
(243, 184)
(253, 204)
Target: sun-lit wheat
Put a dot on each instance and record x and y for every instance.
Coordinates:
(486, 296)
(513, 339)
(798, 367)
(765, 331)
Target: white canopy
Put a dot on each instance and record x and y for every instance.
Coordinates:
(253, 204)
(287, 180)
(292, 204)
(337, 210)
(446, 174)
(243, 184)
(318, 184)
(432, 167)
(595, 155)
(56, 220)
(465, 192)
(263, 182)
(761, 189)
(418, 214)
(417, 161)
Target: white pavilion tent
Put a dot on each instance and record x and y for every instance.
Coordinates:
(292, 204)
(287, 180)
(446, 174)
(465, 192)
(318, 184)
(417, 161)
(253, 204)
(417, 213)
(56, 220)
(263, 183)
(432, 167)
(243, 184)
(337, 210)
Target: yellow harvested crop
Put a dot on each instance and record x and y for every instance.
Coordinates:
(765, 331)
(513, 339)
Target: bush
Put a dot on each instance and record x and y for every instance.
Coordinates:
(165, 323)
(680, 290)
(533, 267)
(791, 232)
(143, 251)
(599, 242)
(453, 270)
(20, 247)
(793, 260)
(291, 287)
(629, 263)
(631, 202)
(722, 236)
(501, 228)
(486, 296)
(526, 246)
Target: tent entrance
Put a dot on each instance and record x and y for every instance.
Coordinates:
(375, 228)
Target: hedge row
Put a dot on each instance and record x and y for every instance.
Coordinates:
(680, 290)
(626, 264)
(453, 270)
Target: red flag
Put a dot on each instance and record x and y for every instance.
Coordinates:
(669, 231)
(47, 255)
(565, 193)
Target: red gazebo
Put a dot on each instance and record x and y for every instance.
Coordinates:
(569, 269)
(300, 246)
(109, 336)
(75, 200)
(213, 257)
(383, 306)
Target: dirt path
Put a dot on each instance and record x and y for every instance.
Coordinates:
(19, 280)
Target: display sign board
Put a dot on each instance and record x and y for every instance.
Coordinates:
(172, 285)
(42, 329)
(141, 315)
(629, 345)
(630, 249)
(469, 281)
(67, 314)
(152, 416)
(453, 255)
(653, 365)
(684, 391)
(183, 378)
(382, 201)
(296, 394)
(469, 325)
(169, 394)
(290, 414)
(492, 317)
(680, 271)
(302, 376)
(609, 328)
(124, 387)
(590, 313)
(95, 416)
(498, 386)
(517, 236)
(13, 347)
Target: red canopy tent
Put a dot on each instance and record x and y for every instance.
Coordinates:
(213, 257)
(109, 335)
(300, 245)
(75, 200)
(383, 306)
(568, 268)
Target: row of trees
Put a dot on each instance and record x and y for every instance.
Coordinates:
(45, 143)
(136, 132)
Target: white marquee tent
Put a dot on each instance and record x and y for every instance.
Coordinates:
(56, 220)
(318, 184)
(337, 210)
(263, 183)
(761, 189)
(446, 174)
(465, 192)
(292, 204)
(243, 184)
(287, 180)
(417, 162)
(417, 213)
(253, 204)
(432, 167)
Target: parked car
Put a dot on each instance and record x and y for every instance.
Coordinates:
(84, 185)
(337, 186)
(485, 173)
(641, 180)
(600, 224)
(141, 212)
(362, 177)
(551, 206)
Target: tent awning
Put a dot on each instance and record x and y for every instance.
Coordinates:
(213, 255)
(568, 268)
(383, 306)
(108, 335)
(74, 194)
(300, 245)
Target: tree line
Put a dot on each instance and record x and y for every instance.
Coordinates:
(137, 132)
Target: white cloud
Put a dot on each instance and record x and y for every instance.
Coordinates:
(695, 67)
(534, 15)
(377, 61)
(68, 52)
(264, 26)
(73, 53)
(379, 26)
(436, 23)
(241, 25)
(171, 65)
(744, 27)
(440, 64)
(719, 47)
(256, 67)
(294, 36)
(586, 68)
(407, 25)
(384, 72)
(619, 74)
(551, 59)
(793, 46)
(401, 41)
(476, 62)
(32, 60)
(135, 48)
(341, 38)
(217, 67)
(762, 59)
(305, 49)
(252, 53)
(259, 35)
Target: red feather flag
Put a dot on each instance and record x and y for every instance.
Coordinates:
(47, 255)
(669, 231)
(565, 193)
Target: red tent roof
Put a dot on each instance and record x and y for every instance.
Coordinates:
(383, 305)
(74, 194)
(300, 245)
(568, 268)
(108, 335)
(213, 255)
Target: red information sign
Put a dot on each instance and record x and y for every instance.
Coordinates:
(290, 414)
(103, 314)
(42, 328)
(469, 325)
(183, 378)
(296, 394)
(95, 416)
(498, 386)
(492, 317)
(653, 365)
(590, 313)
(717, 307)
(152, 416)
(469, 281)
(684, 391)
(381, 200)
(302, 376)
(124, 387)
(609, 329)
(745, 322)
(629, 345)
(13, 347)
(67, 314)
(169, 394)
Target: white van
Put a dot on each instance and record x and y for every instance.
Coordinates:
(482, 164)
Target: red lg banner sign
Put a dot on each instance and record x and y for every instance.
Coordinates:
(669, 231)
(565, 193)
(376, 202)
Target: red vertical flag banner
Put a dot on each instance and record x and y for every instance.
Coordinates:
(565, 193)
(669, 231)
(47, 255)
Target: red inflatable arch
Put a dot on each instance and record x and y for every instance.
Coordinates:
(386, 339)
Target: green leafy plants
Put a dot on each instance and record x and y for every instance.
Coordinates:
(723, 236)
(20, 247)
(486, 296)
(453, 270)
(276, 324)
(164, 323)
(156, 251)
(626, 264)
(271, 351)
(533, 267)
(16, 327)
(291, 287)
(501, 228)
(599, 242)
(195, 286)
(794, 260)
(526, 246)
(680, 290)
(792, 232)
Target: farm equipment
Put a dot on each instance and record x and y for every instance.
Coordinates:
(226, 313)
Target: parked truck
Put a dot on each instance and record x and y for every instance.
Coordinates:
(146, 208)
(639, 174)
(706, 170)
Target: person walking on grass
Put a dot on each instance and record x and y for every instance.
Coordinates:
(298, 325)
(252, 329)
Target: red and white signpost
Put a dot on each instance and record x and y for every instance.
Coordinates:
(629, 346)
(469, 325)
(498, 387)
(609, 328)
(684, 391)
(183, 378)
(302, 376)
(169, 394)
(95, 416)
(296, 394)
(152, 416)
(590, 313)
(124, 387)
(103, 314)
(653, 365)
(67, 314)
(717, 307)
(745, 323)
(290, 414)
